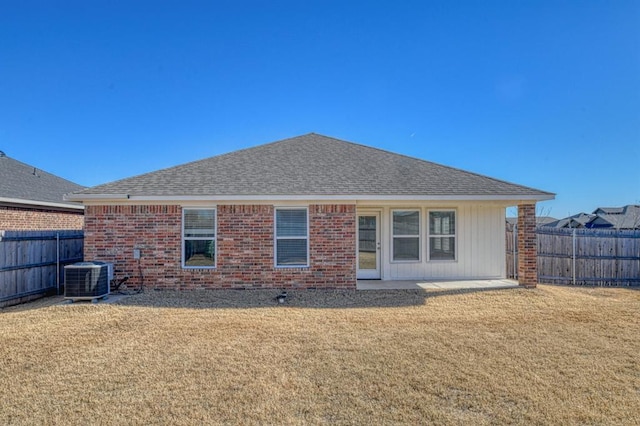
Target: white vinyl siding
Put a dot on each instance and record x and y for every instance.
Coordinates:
(442, 235)
(406, 235)
(291, 237)
(199, 238)
(479, 241)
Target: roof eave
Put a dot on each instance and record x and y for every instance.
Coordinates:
(36, 203)
(85, 197)
(516, 198)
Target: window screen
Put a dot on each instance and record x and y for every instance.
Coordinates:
(442, 235)
(292, 237)
(199, 238)
(406, 235)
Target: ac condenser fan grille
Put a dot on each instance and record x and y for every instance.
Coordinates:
(86, 280)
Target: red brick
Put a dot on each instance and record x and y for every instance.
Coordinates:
(17, 218)
(527, 246)
(245, 247)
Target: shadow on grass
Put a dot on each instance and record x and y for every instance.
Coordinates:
(244, 299)
(314, 299)
(42, 302)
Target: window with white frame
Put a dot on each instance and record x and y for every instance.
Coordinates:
(442, 235)
(199, 238)
(292, 237)
(406, 235)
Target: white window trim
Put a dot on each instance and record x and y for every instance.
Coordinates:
(276, 238)
(454, 235)
(418, 235)
(215, 238)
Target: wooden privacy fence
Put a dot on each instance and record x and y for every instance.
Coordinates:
(582, 256)
(32, 262)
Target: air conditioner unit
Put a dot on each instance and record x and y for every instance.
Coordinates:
(87, 280)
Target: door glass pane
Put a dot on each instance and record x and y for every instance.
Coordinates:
(367, 242)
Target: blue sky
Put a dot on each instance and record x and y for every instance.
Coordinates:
(541, 93)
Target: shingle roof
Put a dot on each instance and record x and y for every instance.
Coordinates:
(540, 220)
(625, 217)
(609, 210)
(312, 165)
(19, 181)
(579, 220)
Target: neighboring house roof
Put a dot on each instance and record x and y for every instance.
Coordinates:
(314, 166)
(22, 184)
(540, 220)
(579, 220)
(609, 210)
(626, 217)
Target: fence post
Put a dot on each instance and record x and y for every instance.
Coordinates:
(515, 252)
(573, 261)
(57, 263)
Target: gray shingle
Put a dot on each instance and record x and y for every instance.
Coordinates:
(312, 165)
(625, 217)
(24, 182)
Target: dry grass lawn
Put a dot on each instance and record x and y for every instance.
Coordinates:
(553, 355)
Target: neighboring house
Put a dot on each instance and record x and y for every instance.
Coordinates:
(307, 212)
(575, 221)
(32, 199)
(626, 217)
(540, 220)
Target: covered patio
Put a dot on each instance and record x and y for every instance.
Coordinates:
(439, 285)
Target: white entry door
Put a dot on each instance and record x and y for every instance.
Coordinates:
(368, 256)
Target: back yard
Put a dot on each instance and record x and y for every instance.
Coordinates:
(548, 355)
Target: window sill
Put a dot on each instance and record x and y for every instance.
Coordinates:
(198, 267)
(292, 266)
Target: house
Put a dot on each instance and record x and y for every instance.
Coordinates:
(32, 199)
(540, 220)
(307, 212)
(626, 217)
(579, 220)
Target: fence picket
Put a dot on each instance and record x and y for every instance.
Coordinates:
(602, 257)
(28, 264)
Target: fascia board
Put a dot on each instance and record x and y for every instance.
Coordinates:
(83, 197)
(40, 203)
(93, 198)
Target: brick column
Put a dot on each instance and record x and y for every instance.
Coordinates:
(527, 246)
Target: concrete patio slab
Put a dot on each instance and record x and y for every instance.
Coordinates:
(440, 285)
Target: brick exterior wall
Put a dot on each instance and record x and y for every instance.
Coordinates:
(19, 219)
(527, 246)
(244, 245)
